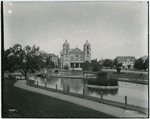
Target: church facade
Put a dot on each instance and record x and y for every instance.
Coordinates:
(74, 58)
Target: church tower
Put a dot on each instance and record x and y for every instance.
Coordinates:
(65, 56)
(87, 51)
(66, 48)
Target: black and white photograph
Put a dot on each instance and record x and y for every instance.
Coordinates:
(75, 59)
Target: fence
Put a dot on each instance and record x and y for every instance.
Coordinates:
(83, 94)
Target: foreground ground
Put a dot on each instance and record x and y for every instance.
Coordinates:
(21, 103)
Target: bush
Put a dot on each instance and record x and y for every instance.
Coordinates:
(66, 67)
(102, 80)
(101, 74)
(12, 77)
(56, 71)
(31, 81)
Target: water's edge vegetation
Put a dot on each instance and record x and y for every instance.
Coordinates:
(102, 80)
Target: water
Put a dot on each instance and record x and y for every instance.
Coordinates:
(137, 94)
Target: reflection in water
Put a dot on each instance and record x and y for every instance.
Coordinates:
(136, 93)
(105, 91)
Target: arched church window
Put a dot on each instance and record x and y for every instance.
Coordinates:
(87, 47)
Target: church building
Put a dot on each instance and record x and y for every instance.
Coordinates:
(74, 58)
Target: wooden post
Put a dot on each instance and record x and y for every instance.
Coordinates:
(102, 95)
(45, 84)
(68, 90)
(83, 92)
(125, 102)
(56, 87)
(37, 83)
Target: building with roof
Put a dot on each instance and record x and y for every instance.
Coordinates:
(74, 58)
(54, 58)
(126, 60)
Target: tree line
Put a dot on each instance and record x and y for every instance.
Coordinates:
(25, 60)
(30, 59)
(95, 65)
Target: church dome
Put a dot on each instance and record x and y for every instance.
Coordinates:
(87, 43)
(66, 43)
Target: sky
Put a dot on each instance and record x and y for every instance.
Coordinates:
(112, 28)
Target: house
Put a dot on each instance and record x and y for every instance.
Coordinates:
(126, 61)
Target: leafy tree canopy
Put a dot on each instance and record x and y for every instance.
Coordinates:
(115, 62)
(108, 63)
(95, 65)
(49, 63)
(86, 66)
(139, 64)
(22, 59)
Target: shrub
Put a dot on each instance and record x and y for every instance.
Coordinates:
(102, 80)
(56, 71)
(66, 67)
(101, 75)
(12, 77)
(31, 81)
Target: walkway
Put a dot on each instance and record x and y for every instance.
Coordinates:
(110, 110)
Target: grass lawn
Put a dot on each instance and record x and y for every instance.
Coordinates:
(127, 75)
(29, 104)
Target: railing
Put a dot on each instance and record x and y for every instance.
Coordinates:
(124, 101)
(82, 93)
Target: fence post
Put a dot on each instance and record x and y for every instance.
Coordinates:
(83, 93)
(56, 87)
(125, 102)
(102, 95)
(68, 90)
(45, 84)
(37, 83)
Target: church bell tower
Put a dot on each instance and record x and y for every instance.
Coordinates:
(87, 51)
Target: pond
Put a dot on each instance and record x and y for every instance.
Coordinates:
(137, 94)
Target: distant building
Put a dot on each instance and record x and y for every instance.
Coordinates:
(54, 58)
(126, 60)
(74, 58)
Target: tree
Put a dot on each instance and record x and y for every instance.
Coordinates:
(138, 64)
(49, 64)
(95, 65)
(86, 66)
(115, 62)
(118, 68)
(117, 65)
(22, 59)
(145, 64)
(108, 63)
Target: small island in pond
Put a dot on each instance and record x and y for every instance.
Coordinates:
(103, 82)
